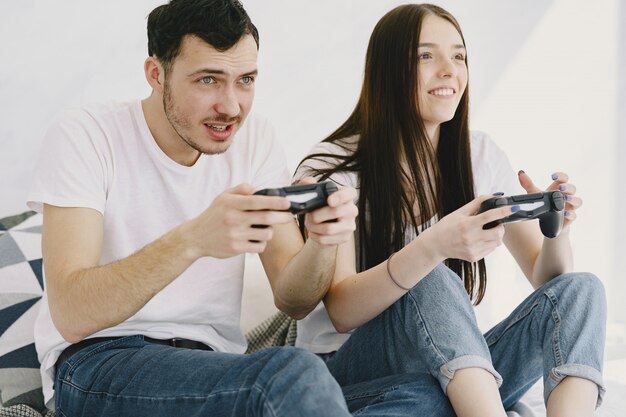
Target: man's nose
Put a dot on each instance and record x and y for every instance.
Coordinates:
(228, 103)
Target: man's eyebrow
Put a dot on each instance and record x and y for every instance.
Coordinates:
(211, 71)
(434, 45)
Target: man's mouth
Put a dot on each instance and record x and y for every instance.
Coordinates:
(220, 132)
(217, 128)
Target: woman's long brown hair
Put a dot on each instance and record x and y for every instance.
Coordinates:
(395, 161)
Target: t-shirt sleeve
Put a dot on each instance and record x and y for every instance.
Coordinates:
(268, 158)
(491, 167)
(73, 166)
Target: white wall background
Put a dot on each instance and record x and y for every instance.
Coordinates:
(544, 78)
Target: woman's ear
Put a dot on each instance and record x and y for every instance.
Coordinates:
(155, 74)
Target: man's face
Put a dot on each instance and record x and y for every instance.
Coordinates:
(208, 94)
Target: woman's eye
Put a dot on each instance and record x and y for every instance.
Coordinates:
(423, 56)
(460, 57)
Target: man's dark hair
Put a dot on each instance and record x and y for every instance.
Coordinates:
(220, 23)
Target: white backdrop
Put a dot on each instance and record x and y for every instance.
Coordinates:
(543, 74)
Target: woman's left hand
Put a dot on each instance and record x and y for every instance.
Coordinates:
(560, 181)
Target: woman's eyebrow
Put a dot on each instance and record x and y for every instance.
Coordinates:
(434, 45)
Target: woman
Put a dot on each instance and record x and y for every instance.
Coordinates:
(404, 286)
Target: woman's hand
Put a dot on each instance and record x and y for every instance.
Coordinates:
(334, 223)
(559, 182)
(460, 234)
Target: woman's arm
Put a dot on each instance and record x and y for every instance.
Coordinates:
(355, 298)
(540, 258)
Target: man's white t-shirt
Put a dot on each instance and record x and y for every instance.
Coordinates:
(105, 158)
(492, 173)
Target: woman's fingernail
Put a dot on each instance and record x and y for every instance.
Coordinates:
(514, 208)
(562, 187)
(555, 176)
(568, 197)
(497, 194)
(567, 213)
(520, 172)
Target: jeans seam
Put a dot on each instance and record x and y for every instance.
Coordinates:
(162, 398)
(372, 393)
(556, 346)
(513, 323)
(422, 323)
(266, 402)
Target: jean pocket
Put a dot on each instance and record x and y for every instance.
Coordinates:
(70, 366)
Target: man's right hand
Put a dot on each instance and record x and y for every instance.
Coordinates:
(227, 227)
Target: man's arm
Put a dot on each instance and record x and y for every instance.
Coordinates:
(85, 298)
(300, 276)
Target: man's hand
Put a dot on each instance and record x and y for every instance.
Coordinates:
(335, 223)
(237, 222)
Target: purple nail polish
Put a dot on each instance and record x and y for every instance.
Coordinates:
(555, 176)
(498, 194)
(567, 213)
(515, 208)
(568, 197)
(562, 187)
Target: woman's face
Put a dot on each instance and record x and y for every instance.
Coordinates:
(442, 71)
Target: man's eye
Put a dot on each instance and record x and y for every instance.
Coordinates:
(247, 80)
(207, 80)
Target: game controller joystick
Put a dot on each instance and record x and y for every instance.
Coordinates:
(547, 206)
(305, 197)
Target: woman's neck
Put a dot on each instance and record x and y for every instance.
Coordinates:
(433, 130)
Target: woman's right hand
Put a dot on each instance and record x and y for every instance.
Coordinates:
(460, 234)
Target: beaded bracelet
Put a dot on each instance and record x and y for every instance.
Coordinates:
(391, 276)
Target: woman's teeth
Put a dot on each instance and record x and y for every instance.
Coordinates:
(442, 92)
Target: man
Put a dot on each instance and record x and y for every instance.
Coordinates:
(148, 211)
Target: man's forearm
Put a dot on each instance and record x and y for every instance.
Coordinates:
(306, 279)
(86, 301)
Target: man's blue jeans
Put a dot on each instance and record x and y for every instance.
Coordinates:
(400, 363)
(129, 377)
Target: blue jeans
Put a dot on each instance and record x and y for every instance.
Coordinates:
(129, 377)
(400, 363)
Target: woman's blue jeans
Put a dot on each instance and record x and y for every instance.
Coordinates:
(129, 377)
(400, 363)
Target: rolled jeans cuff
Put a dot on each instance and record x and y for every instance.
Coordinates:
(580, 371)
(448, 369)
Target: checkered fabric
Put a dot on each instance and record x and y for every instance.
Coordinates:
(277, 330)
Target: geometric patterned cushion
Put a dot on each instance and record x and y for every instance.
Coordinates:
(21, 288)
(22, 410)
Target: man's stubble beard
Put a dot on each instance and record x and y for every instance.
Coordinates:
(180, 124)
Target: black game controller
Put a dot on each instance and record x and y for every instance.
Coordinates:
(547, 206)
(304, 198)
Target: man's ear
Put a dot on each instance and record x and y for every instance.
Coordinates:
(155, 73)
